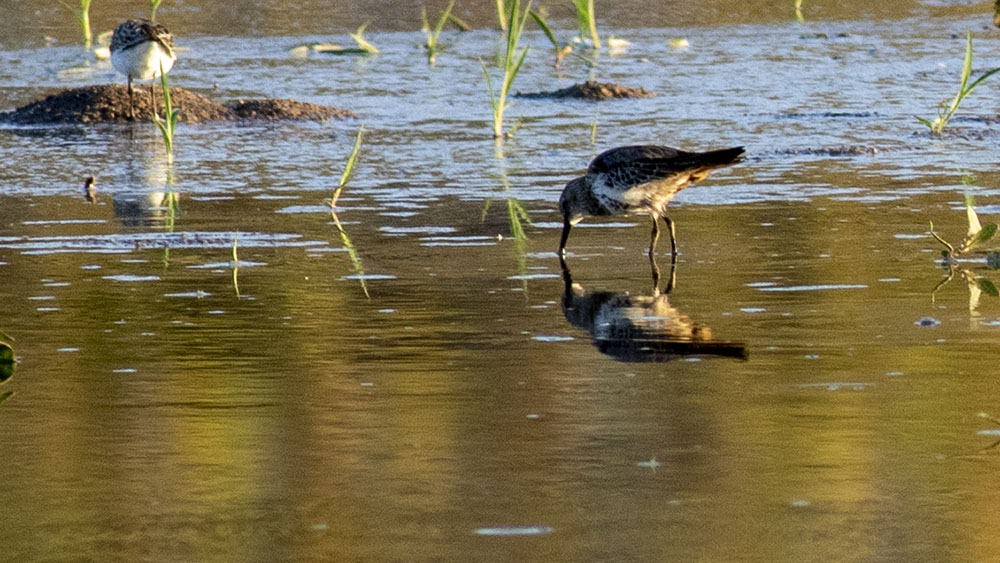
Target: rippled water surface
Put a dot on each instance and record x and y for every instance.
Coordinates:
(420, 379)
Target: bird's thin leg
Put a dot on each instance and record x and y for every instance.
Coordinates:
(672, 278)
(654, 270)
(654, 234)
(673, 237)
(152, 97)
(131, 107)
(565, 235)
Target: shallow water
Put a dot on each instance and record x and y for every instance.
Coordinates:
(406, 385)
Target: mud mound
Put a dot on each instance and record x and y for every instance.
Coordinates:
(279, 108)
(108, 103)
(591, 90)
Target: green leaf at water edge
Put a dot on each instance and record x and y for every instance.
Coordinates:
(7, 361)
(545, 28)
(987, 233)
(6, 353)
(988, 288)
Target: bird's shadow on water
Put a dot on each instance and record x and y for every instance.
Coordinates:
(641, 328)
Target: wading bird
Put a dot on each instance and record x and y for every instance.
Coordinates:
(139, 49)
(640, 178)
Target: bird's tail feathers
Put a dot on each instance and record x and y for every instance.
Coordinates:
(714, 159)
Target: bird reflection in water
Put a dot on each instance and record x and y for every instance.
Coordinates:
(143, 210)
(639, 328)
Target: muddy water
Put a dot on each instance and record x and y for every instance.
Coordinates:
(408, 385)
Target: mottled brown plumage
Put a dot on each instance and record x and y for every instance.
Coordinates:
(640, 178)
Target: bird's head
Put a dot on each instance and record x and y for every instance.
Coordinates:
(573, 203)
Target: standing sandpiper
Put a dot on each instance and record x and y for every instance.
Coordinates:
(139, 48)
(641, 178)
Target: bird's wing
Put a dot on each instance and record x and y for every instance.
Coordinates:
(634, 165)
(160, 34)
(631, 155)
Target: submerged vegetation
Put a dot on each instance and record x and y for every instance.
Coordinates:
(946, 112)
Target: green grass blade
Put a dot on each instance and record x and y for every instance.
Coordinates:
(967, 63)
(353, 157)
(444, 18)
(513, 72)
(358, 37)
(348, 168)
(501, 14)
(489, 85)
(545, 28)
(985, 75)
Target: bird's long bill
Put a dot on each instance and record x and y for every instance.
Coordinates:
(565, 235)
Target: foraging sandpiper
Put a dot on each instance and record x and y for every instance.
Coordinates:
(640, 178)
(139, 49)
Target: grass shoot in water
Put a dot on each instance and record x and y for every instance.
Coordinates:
(236, 267)
(153, 5)
(431, 43)
(168, 123)
(976, 235)
(511, 64)
(588, 23)
(561, 49)
(945, 113)
(502, 14)
(363, 44)
(84, 18)
(348, 168)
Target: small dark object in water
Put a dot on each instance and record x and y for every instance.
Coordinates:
(927, 321)
(90, 189)
(640, 178)
(591, 90)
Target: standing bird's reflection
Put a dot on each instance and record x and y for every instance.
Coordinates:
(640, 328)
